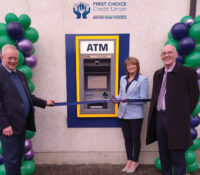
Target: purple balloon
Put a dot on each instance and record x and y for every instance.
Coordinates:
(194, 121)
(186, 46)
(198, 72)
(180, 59)
(189, 22)
(199, 84)
(25, 46)
(1, 159)
(27, 145)
(31, 61)
(15, 30)
(29, 155)
(193, 132)
(179, 31)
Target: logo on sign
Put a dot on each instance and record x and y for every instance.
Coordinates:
(81, 10)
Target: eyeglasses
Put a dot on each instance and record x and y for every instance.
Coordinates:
(167, 53)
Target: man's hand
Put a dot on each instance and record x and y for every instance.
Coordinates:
(8, 131)
(50, 103)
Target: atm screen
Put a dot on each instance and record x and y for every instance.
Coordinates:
(97, 82)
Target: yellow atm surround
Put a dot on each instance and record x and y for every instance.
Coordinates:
(97, 64)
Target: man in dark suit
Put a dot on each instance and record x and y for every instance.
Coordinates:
(16, 110)
(174, 97)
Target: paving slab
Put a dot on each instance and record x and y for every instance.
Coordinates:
(96, 169)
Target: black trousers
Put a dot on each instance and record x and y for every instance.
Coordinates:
(169, 158)
(13, 151)
(131, 130)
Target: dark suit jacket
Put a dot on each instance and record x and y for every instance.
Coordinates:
(181, 99)
(11, 104)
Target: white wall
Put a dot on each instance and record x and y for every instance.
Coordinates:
(148, 23)
(198, 8)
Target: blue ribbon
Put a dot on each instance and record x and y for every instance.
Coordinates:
(100, 101)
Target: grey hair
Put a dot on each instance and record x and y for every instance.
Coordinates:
(5, 47)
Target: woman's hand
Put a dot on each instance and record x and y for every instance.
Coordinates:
(114, 100)
(124, 100)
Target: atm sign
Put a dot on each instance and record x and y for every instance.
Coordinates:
(97, 47)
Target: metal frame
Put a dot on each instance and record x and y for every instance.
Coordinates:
(193, 5)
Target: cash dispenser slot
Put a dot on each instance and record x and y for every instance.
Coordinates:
(97, 106)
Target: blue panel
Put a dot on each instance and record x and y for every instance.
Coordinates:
(123, 52)
(72, 120)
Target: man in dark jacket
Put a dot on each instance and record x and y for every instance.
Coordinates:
(174, 97)
(16, 110)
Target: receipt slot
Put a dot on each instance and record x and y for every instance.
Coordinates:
(97, 74)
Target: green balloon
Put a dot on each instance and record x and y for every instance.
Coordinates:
(193, 59)
(197, 48)
(10, 17)
(33, 51)
(158, 164)
(173, 172)
(185, 18)
(3, 28)
(31, 86)
(194, 32)
(28, 167)
(27, 71)
(172, 42)
(197, 19)
(196, 144)
(23, 170)
(5, 39)
(20, 59)
(2, 170)
(186, 65)
(31, 34)
(192, 167)
(24, 20)
(190, 157)
(1, 148)
(170, 35)
(196, 110)
(192, 116)
(30, 134)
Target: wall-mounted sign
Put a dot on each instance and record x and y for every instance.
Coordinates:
(97, 47)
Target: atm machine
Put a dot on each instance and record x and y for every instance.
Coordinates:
(97, 74)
